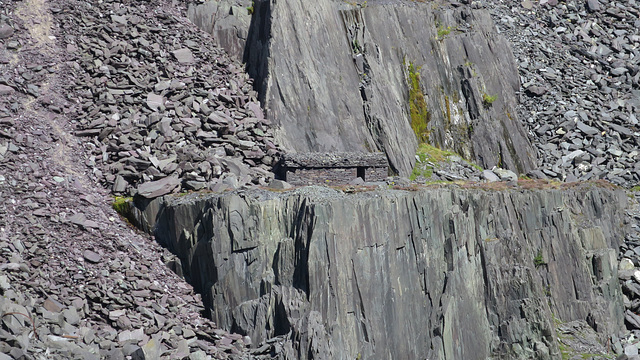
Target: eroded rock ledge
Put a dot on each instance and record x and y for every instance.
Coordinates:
(445, 273)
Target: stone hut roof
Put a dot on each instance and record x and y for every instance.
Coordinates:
(335, 160)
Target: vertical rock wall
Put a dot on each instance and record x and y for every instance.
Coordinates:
(334, 77)
(438, 274)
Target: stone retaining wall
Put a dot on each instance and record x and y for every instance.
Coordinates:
(334, 176)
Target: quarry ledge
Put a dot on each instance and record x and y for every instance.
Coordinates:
(483, 270)
(519, 185)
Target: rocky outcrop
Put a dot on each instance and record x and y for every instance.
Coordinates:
(227, 20)
(444, 273)
(352, 93)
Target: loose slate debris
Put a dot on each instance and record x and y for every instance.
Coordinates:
(75, 281)
(579, 65)
(158, 101)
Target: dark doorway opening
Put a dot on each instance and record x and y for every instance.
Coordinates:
(361, 172)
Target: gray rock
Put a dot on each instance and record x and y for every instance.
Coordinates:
(6, 90)
(195, 185)
(621, 130)
(198, 355)
(505, 175)
(615, 152)
(490, 175)
(115, 354)
(71, 316)
(593, 5)
(91, 256)
(4, 283)
(184, 56)
(618, 71)
(228, 21)
(236, 167)
(280, 185)
(119, 185)
(586, 129)
(5, 31)
(356, 181)
(154, 101)
(534, 90)
(133, 351)
(625, 264)
(153, 189)
(53, 305)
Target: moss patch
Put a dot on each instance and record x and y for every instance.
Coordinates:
(427, 154)
(538, 260)
(428, 157)
(418, 111)
(122, 205)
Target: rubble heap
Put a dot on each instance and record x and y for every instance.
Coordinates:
(158, 101)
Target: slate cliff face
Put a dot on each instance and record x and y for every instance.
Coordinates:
(438, 274)
(335, 76)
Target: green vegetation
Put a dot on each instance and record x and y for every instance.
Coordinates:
(469, 64)
(428, 154)
(488, 99)
(418, 112)
(538, 260)
(251, 8)
(122, 205)
(565, 352)
(443, 31)
(355, 46)
(635, 188)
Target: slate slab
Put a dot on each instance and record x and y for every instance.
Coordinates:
(6, 90)
(184, 56)
(5, 31)
(154, 189)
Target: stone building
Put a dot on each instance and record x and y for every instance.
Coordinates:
(333, 168)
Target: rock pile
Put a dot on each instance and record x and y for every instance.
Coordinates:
(75, 281)
(579, 64)
(163, 108)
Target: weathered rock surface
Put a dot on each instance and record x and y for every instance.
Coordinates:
(445, 273)
(228, 22)
(351, 93)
